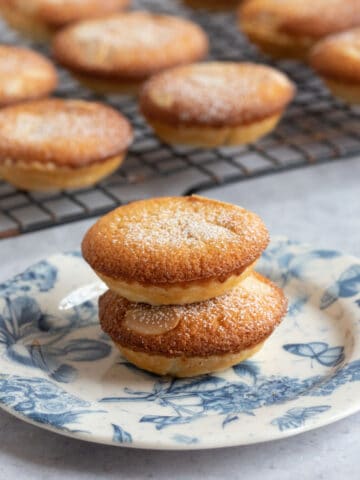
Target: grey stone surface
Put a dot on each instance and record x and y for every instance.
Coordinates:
(318, 205)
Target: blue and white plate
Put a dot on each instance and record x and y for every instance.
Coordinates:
(60, 372)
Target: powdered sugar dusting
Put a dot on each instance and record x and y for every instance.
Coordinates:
(170, 228)
(252, 301)
(176, 239)
(63, 131)
(216, 91)
(180, 224)
(135, 30)
(51, 125)
(75, 119)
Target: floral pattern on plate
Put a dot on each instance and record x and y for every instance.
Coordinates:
(59, 371)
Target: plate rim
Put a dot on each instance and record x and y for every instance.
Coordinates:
(164, 443)
(143, 445)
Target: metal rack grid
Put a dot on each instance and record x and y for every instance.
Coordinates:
(316, 128)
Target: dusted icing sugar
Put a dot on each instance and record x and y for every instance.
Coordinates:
(51, 125)
(137, 30)
(62, 131)
(248, 301)
(219, 91)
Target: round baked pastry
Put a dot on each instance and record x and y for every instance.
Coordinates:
(188, 340)
(117, 53)
(215, 103)
(24, 75)
(53, 144)
(337, 60)
(174, 250)
(289, 28)
(40, 19)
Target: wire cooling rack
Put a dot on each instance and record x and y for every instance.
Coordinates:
(316, 128)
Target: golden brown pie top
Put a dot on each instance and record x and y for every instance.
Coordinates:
(312, 18)
(338, 56)
(130, 45)
(173, 240)
(233, 322)
(216, 94)
(69, 133)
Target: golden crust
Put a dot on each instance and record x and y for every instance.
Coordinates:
(186, 366)
(208, 137)
(129, 45)
(62, 12)
(26, 25)
(236, 321)
(173, 240)
(24, 75)
(277, 44)
(306, 18)
(106, 86)
(216, 94)
(349, 92)
(338, 57)
(213, 5)
(67, 133)
(49, 177)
